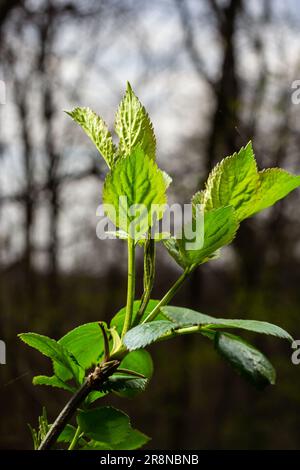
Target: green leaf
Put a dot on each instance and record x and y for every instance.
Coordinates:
(147, 333)
(135, 440)
(134, 127)
(233, 182)
(116, 340)
(118, 319)
(52, 349)
(138, 361)
(220, 227)
(67, 434)
(85, 343)
(168, 179)
(53, 381)
(134, 194)
(97, 131)
(124, 385)
(246, 359)
(96, 445)
(275, 184)
(187, 317)
(104, 424)
(34, 436)
(94, 396)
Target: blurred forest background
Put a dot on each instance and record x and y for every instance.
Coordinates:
(212, 74)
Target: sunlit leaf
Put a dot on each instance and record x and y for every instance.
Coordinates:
(96, 129)
(134, 127)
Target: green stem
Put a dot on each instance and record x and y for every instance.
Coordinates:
(75, 439)
(182, 331)
(130, 286)
(149, 273)
(170, 294)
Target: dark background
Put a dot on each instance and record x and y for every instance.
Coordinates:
(212, 74)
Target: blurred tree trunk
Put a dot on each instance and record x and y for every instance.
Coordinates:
(47, 31)
(28, 198)
(224, 136)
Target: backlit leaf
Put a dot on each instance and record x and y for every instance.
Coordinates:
(134, 127)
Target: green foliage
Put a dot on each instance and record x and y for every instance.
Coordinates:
(275, 184)
(68, 434)
(115, 431)
(147, 333)
(58, 353)
(234, 190)
(235, 181)
(134, 127)
(135, 182)
(52, 381)
(97, 131)
(246, 359)
(85, 343)
(39, 433)
(134, 440)
(115, 424)
(187, 317)
(220, 227)
(118, 320)
(138, 361)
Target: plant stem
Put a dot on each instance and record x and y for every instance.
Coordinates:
(182, 331)
(170, 294)
(149, 273)
(130, 286)
(92, 382)
(65, 415)
(75, 439)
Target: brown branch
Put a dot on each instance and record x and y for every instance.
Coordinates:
(92, 382)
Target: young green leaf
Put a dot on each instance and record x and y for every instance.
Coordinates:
(187, 317)
(133, 126)
(134, 193)
(246, 359)
(275, 184)
(146, 333)
(233, 182)
(85, 343)
(97, 131)
(52, 349)
(104, 424)
(220, 227)
(53, 381)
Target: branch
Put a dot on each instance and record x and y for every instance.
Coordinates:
(218, 11)
(93, 382)
(189, 40)
(20, 197)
